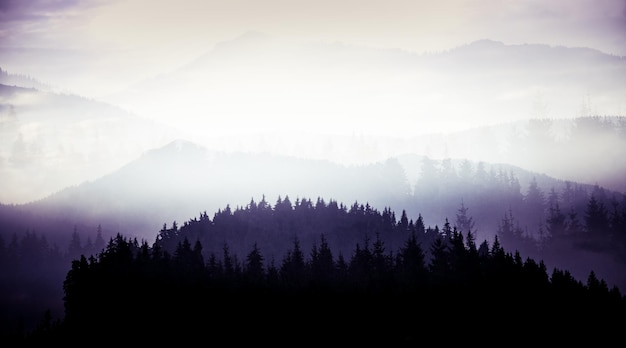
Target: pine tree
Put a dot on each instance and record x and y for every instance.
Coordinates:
(228, 262)
(322, 263)
(403, 223)
(99, 243)
(439, 266)
(360, 264)
(556, 224)
(75, 248)
(254, 268)
(464, 223)
(410, 263)
(380, 262)
(597, 223)
(534, 205)
(292, 270)
(446, 232)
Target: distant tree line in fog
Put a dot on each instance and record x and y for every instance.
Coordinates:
(531, 219)
(347, 283)
(31, 270)
(549, 226)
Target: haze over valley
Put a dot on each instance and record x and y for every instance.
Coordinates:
(257, 124)
(258, 94)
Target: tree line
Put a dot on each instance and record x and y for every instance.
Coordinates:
(536, 218)
(31, 272)
(187, 285)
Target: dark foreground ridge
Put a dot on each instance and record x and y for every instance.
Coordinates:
(442, 286)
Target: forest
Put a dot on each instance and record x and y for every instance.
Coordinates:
(560, 225)
(406, 173)
(311, 272)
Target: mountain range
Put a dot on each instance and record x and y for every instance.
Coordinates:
(50, 141)
(83, 162)
(268, 140)
(257, 80)
(181, 183)
(182, 179)
(548, 109)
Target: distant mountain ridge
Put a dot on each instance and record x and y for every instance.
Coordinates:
(516, 84)
(513, 54)
(250, 76)
(49, 140)
(582, 149)
(285, 95)
(10, 79)
(182, 178)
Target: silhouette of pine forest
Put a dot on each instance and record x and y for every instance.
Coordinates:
(357, 275)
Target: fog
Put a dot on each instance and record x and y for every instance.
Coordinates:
(87, 90)
(152, 119)
(349, 104)
(351, 83)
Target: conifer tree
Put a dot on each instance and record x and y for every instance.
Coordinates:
(464, 223)
(596, 219)
(254, 268)
(75, 248)
(292, 270)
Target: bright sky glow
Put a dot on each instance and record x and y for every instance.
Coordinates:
(218, 69)
(111, 44)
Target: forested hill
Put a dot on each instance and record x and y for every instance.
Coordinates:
(593, 240)
(176, 181)
(181, 179)
(352, 276)
(566, 224)
(69, 138)
(585, 149)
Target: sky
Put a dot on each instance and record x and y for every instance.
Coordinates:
(97, 47)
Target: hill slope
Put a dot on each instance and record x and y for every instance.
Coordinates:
(49, 141)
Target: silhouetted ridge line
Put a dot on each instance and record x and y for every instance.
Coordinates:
(196, 286)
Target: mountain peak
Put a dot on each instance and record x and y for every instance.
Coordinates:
(178, 149)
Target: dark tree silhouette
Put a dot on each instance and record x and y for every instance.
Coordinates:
(136, 292)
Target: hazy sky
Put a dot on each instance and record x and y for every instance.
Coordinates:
(121, 42)
(103, 49)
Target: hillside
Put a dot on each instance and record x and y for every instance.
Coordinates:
(167, 185)
(548, 109)
(353, 269)
(183, 178)
(49, 140)
(258, 81)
